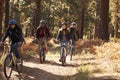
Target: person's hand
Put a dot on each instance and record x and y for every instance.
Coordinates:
(56, 40)
(48, 39)
(70, 41)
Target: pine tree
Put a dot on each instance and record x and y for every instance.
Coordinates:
(1, 16)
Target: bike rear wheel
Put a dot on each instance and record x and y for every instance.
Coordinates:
(71, 53)
(8, 64)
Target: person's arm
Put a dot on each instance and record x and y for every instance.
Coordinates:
(58, 35)
(48, 33)
(21, 35)
(69, 35)
(37, 33)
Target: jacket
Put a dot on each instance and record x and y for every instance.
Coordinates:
(60, 35)
(74, 35)
(39, 30)
(15, 35)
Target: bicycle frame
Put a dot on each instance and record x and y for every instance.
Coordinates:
(10, 62)
(63, 53)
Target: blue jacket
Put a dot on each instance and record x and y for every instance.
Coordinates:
(60, 35)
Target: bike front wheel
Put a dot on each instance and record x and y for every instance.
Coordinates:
(42, 55)
(8, 64)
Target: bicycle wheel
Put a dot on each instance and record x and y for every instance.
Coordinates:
(8, 63)
(42, 55)
(63, 54)
(19, 65)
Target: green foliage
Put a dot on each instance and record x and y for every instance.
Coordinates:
(57, 11)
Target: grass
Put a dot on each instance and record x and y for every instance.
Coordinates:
(83, 73)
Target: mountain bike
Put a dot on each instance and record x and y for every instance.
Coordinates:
(63, 53)
(42, 55)
(10, 62)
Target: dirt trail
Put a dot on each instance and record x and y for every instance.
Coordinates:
(52, 69)
(88, 66)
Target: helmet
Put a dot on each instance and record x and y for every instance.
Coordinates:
(12, 22)
(73, 23)
(63, 23)
(42, 21)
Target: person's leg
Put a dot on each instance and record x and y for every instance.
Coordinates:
(67, 47)
(73, 44)
(39, 43)
(14, 48)
(61, 43)
(46, 47)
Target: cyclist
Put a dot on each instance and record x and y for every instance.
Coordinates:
(74, 35)
(14, 32)
(63, 36)
(42, 32)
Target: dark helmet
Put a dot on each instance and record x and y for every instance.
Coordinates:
(73, 23)
(42, 21)
(12, 22)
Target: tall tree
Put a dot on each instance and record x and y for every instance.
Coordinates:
(95, 34)
(37, 15)
(115, 17)
(1, 16)
(81, 19)
(12, 8)
(104, 20)
(6, 13)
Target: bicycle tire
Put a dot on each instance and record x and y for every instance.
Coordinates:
(71, 53)
(42, 55)
(8, 62)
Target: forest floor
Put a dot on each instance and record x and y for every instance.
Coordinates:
(95, 60)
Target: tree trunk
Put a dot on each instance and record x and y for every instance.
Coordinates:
(1, 16)
(104, 20)
(38, 5)
(95, 34)
(36, 16)
(12, 7)
(115, 18)
(81, 20)
(116, 26)
(6, 14)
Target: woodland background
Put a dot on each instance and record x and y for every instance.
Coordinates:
(95, 18)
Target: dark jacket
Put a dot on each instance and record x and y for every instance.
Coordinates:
(38, 32)
(15, 35)
(74, 35)
(60, 35)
